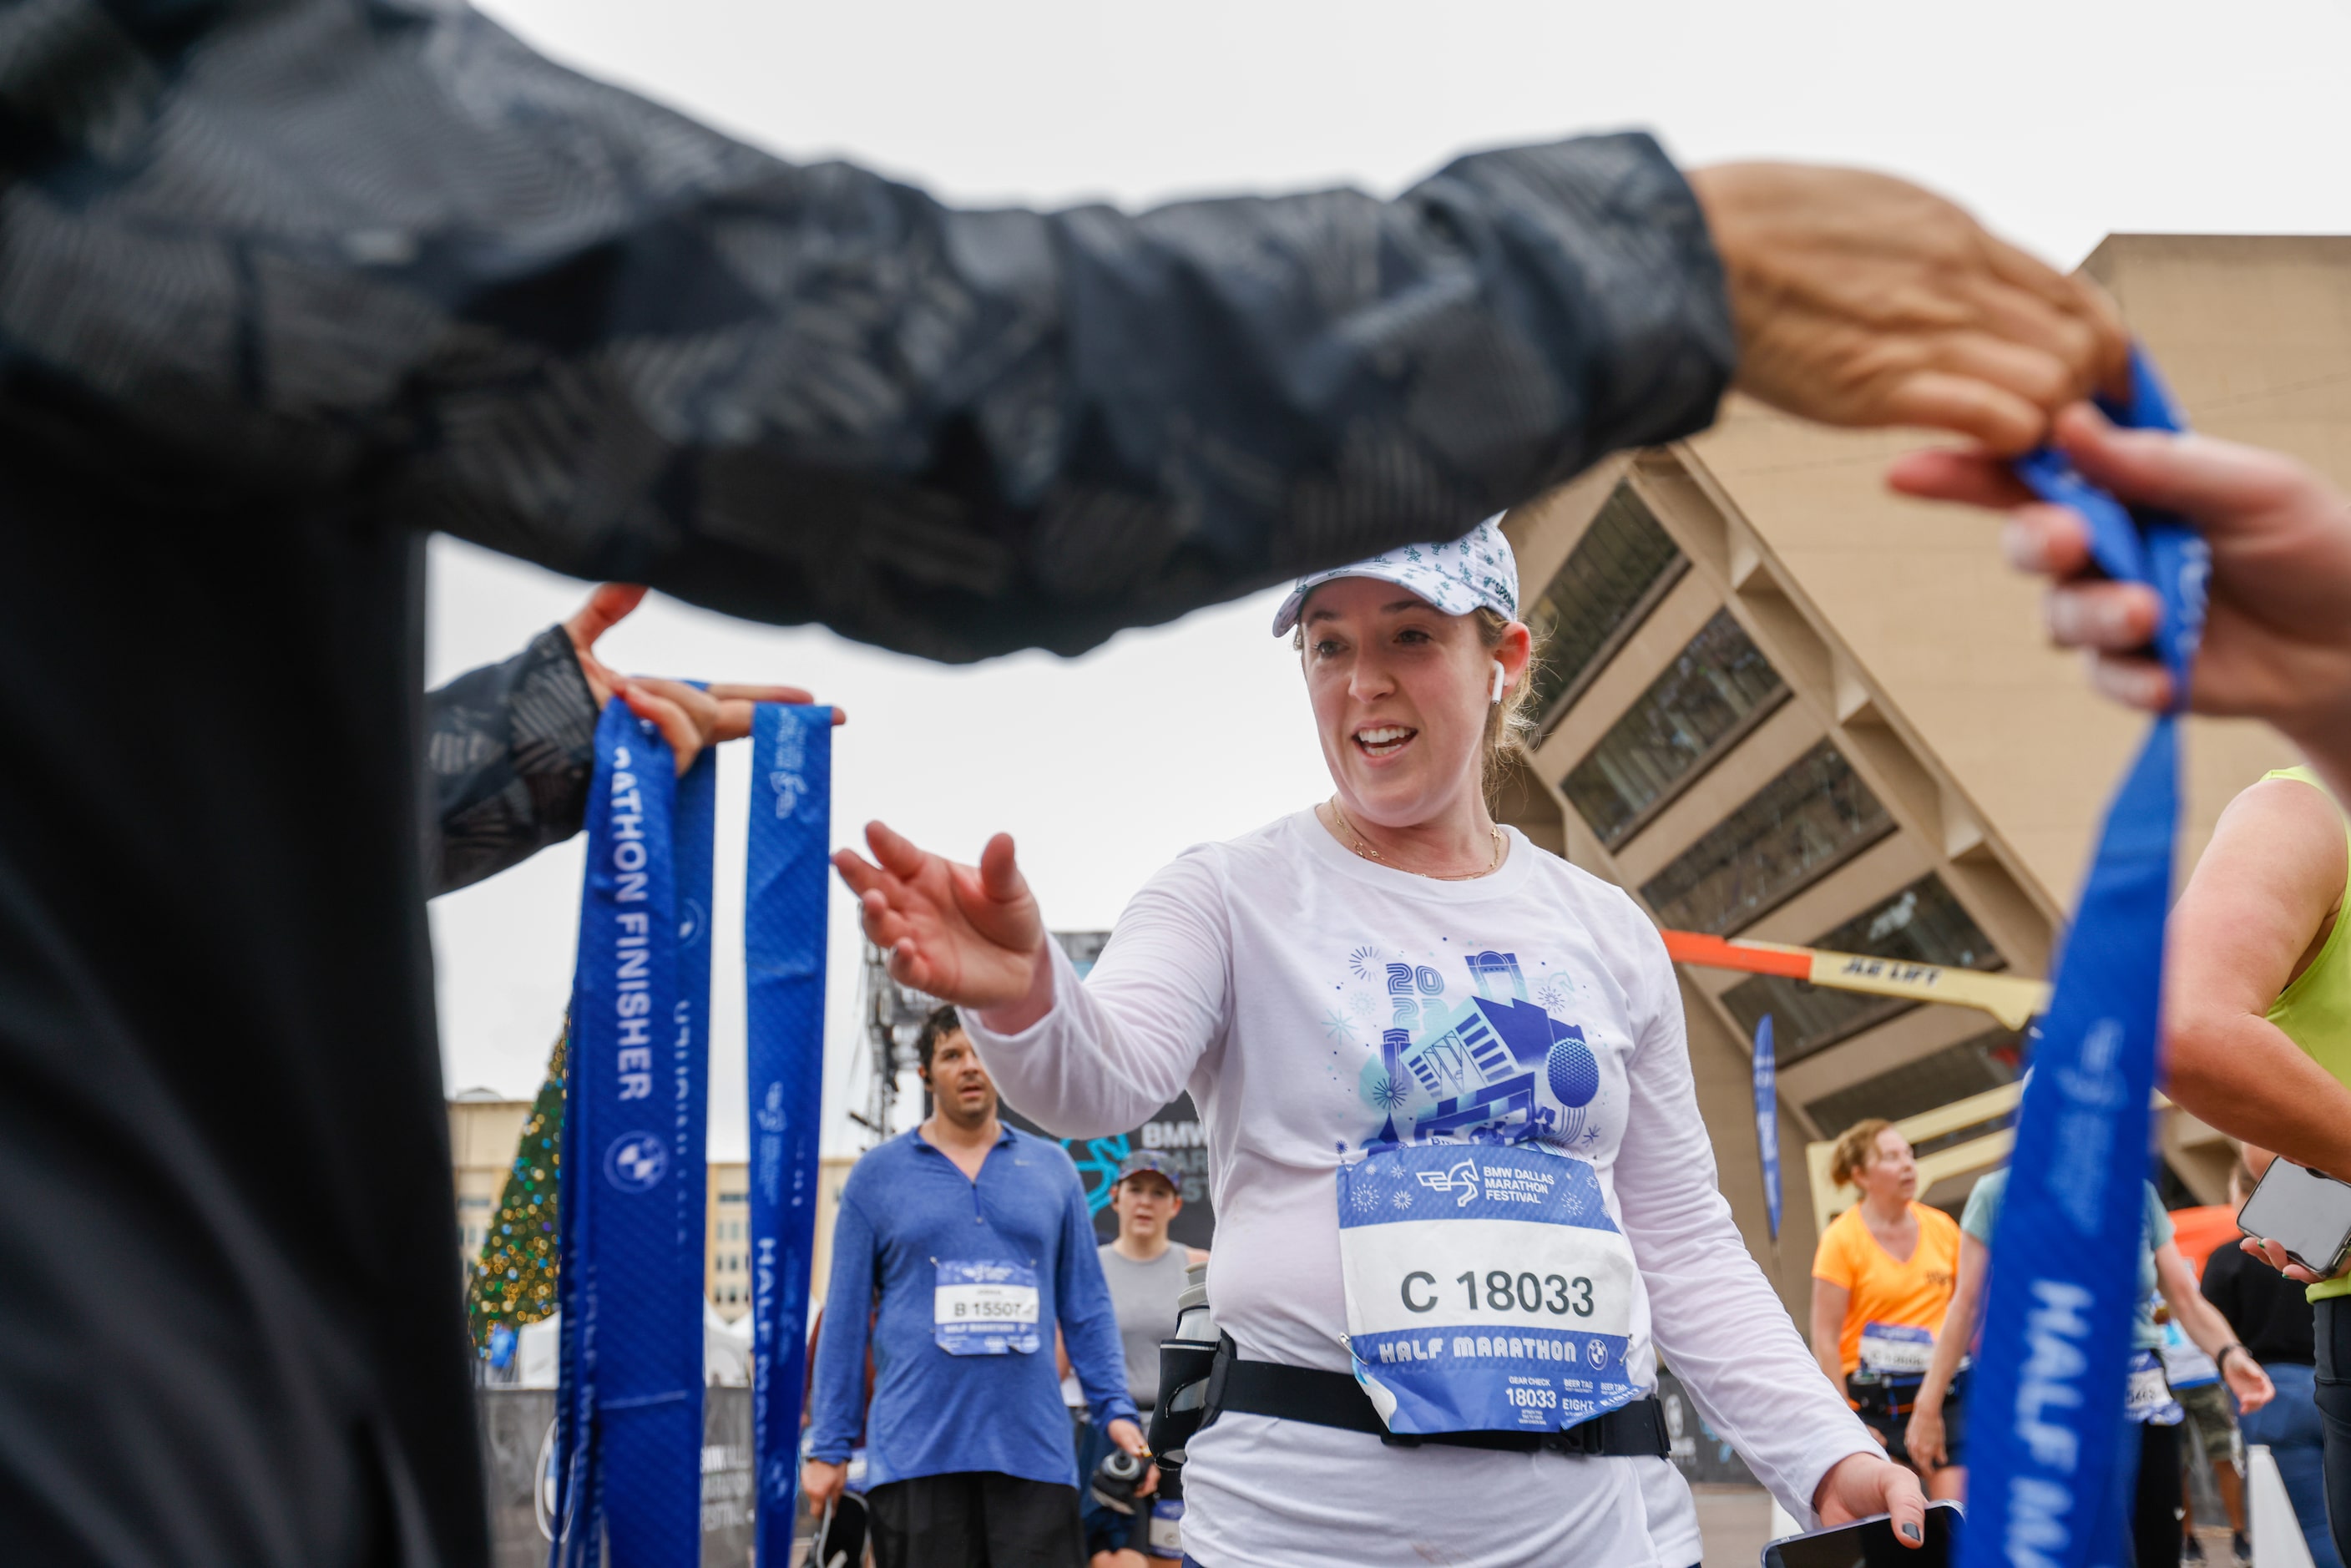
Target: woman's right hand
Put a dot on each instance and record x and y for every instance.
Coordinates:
(1924, 1438)
(968, 935)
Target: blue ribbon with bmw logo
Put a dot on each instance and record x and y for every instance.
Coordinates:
(783, 960)
(629, 1437)
(629, 1429)
(2049, 1472)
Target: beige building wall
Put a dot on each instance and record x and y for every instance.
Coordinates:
(1906, 645)
(729, 1219)
(727, 1261)
(484, 1129)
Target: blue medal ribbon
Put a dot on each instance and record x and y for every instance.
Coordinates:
(1767, 1120)
(629, 1431)
(783, 962)
(2047, 1477)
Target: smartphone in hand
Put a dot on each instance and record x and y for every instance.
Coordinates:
(1871, 1543)
(2306, 1211)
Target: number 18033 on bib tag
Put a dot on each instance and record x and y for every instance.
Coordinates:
(1487, 1288)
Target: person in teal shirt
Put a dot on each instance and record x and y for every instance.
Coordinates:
(2153, 1414)
(1983, 1215)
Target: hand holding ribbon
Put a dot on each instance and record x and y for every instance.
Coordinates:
(2277, 643)
(2045, 1465)
(689, 715)
(629, 1427)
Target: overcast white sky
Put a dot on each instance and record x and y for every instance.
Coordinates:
(2058, 123)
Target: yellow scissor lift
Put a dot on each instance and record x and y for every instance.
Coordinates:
(2014, 1001)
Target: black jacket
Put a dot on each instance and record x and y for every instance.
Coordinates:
(286, 284)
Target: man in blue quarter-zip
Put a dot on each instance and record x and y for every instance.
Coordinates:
(975, 1238)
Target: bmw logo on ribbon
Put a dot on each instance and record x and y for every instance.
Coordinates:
(636, 1161)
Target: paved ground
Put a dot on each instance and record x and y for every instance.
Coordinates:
(1736, 1521)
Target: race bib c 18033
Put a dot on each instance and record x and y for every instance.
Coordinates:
(1487, 1288)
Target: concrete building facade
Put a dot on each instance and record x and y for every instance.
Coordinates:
(1784, 704)
(485, 1127)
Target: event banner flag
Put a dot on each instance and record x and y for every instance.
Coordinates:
(2049, 1453)
(783, 962)
(629, 1411)
(1767, 1120)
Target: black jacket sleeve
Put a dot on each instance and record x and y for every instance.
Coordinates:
(2219, 1286)
(508, 752)
(379, 258)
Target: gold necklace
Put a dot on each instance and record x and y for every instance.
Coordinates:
(1369, 853)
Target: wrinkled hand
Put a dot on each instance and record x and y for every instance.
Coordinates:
(1864, 1484)
(1862, 299)
(1924, 1438)
(821, 1482)
(689, 717)
(2277, 636)
(968, 935)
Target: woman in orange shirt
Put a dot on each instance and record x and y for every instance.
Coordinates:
(1882, 1279)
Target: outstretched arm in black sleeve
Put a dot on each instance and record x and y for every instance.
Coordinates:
(384, 260)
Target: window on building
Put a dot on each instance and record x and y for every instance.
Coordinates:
(1811, 818)
(1923, 923)
(1982, 1062)
(1616, 572)
(1713, 692)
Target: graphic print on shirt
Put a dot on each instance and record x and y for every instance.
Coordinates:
(1475, 1060)
(1486, 1286)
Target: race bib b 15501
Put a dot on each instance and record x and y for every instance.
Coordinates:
(1487, 1289)
(984, 1308)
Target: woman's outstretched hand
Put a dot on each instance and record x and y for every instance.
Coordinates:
(968, 935)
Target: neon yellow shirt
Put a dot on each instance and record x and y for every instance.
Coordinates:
(2314, 1011)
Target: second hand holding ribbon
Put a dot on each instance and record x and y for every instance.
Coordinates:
(2047, 1487)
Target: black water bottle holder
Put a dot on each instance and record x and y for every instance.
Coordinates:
(1184, 1368)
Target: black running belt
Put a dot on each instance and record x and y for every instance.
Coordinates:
(1334, 1399)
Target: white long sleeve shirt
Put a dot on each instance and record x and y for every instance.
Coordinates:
(1261, 975)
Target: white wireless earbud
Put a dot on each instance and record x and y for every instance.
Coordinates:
(1499, 677)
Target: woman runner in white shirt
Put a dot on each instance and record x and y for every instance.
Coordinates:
(1416, 1043)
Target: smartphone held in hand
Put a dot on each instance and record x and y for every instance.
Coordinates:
(2303, 1210)
(1871, 1543)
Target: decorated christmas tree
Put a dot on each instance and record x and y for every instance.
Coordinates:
(514, 1281)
